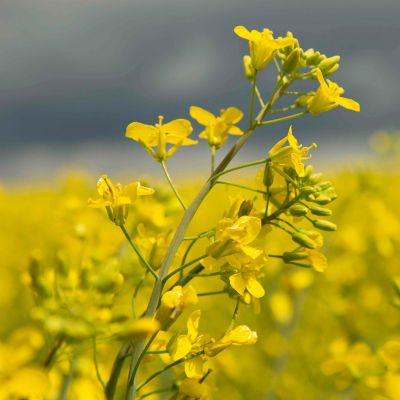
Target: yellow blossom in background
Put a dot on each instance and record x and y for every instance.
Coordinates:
(262, 45)
(217, 128)
(291, 155)
(117, 198)
(155, 138)
(192, 389)
(329, 96)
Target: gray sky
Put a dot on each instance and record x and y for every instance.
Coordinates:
(74, 73)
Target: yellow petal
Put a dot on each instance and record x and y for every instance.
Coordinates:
(182, 347)
(180, 127)
(255, 288)
(193, 324)
(321, 79)
(172, 298)
(238, 283)
(242, 32)
(240, 335)
(251, 251)
(144, 191)
(349, 104)
(99, 203)
(137, 130)
(203, 117)
(232, 115)
(194, 368)
(235, 130)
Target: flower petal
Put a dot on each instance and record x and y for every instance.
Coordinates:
(203, 117)
(242, 32)
(349, 104)
(238, 283)
(255, 288)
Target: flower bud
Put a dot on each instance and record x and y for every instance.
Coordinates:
(268, 178)
(315, 178)
(245, 208)
(324, 185)
(289, 256)
(306, 190)
(248, 68)
(321, 211)
(302, 101)
(313, 57)
(331, 70)
(304, 240)
(328, 63)
(292, 62)
(322, 199)
(324, 225)
(298, 210)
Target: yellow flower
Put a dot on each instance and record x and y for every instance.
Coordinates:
(117, 198)
(239, 336)
(191, 389)
(136, 328)
(328, 96)
(191, 343)
(262, 45)
(291, 155)
(174, 302)
(248, 271)
(217, 128)
(158, 136)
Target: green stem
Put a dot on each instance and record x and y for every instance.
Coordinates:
(138, 252)
(288, 117)
(52, 353)
(283, 109)
(252, 98)
(166, 368)
(111, 385)
(211, 293)
(241, 166)
(188, 264)
(213, 149)
(259, 97)
(164, 168)
(240, 186)
(168, 389)
(234, 315)
(96, 364)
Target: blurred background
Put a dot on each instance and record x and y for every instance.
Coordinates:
(73, 74)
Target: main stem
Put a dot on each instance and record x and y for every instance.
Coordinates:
(191, 211)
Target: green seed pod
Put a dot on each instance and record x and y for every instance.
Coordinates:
(292, 61)
(302, 239)
(324, 225)
(268, 177)
(245, 208)
(289, 256)
(298, 210)
(321, 211)
(328, 63)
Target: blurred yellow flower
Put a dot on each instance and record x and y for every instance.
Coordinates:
(328, 96)
(262, 45)
(117, 198)
(217, 128)
(291, 155)
(175, 133)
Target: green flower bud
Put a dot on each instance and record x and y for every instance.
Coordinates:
(313, 57)
(332, 70)
(292, 62)
(245, 208)
(322, 199)
(302, 101)
(306, 190)
(287, 256)
(321, 211)
(315, 178)
(324, 225)
(308, 171)
(328, 63)
(248, 68)
(324, 185)
(298, 210)
(302, 239)
(268, 178)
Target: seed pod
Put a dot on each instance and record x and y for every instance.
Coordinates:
(298, 210)
(321, 211)
(302, 239)
(324, 225)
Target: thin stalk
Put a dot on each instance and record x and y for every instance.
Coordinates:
(164, 168)
(138, 252)
(52, 353)
(241, 166)
(163, 390)
(211, 293)
(288, 117)
(213, 149)
(111, 385)
(188, 264)
(259, 97)
(96, 364)
(240, 186)
(234, 315)
(252, 98)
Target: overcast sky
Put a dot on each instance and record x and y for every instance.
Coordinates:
(75, 73)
